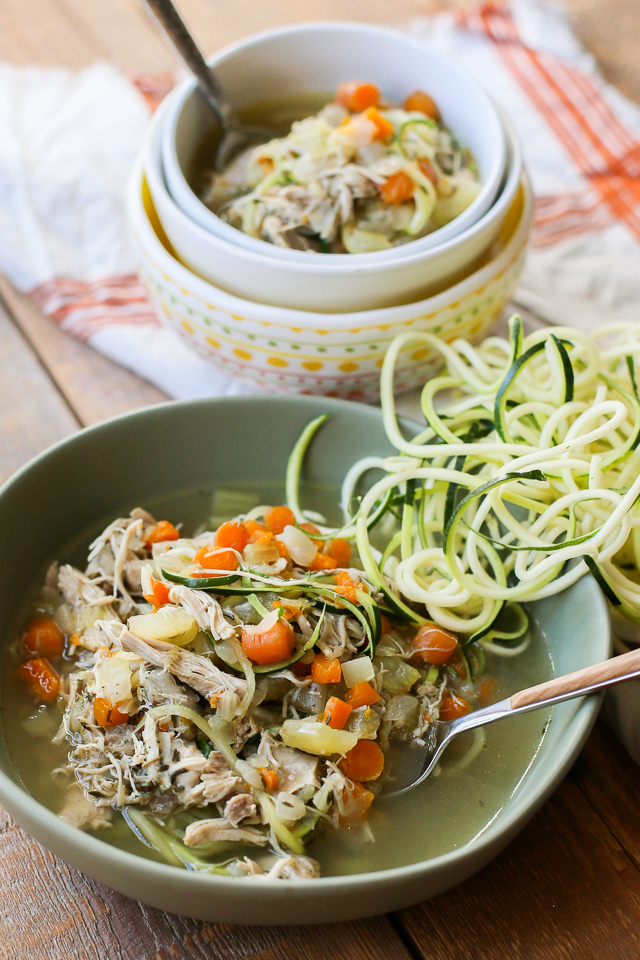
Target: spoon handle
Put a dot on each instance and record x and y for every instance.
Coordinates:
(186, 46)
(573, 684)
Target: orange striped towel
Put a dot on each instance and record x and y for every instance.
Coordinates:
(67, 143)
(581, 144)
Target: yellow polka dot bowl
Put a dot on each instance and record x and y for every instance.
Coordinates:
(335, 354)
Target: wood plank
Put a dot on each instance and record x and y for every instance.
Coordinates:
(33, 413)
(84, 920)
(94, 386)
(610, 780)
(564, 889)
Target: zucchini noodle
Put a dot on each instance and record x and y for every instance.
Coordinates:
(525, 478)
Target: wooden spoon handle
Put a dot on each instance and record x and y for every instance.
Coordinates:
(600, 673)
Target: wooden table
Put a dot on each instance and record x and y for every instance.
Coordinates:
(569, 886)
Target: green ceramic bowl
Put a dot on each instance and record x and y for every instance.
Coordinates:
(178, 447)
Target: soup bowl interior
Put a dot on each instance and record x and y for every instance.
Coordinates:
(314, 59)
(190, 447)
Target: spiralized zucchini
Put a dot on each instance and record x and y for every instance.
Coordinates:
(525, 478)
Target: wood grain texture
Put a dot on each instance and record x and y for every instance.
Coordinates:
(84, 920)
(565, 889)
(33, 413)
(94, 386)
(612, 669)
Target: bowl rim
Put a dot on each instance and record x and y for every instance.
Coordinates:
(509, 821)
(212, 296)
(226, 233)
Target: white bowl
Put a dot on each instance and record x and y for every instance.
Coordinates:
(312, 282)
(317, 57)
(324, 353)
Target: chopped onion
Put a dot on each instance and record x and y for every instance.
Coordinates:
(357, 671)
(249, 774)
(260, 553)
(401, 709)
(289, 807)
(301, 548)
(227, 705)
(171, 624)
(227, 653)
(316, 738)
(265, 624)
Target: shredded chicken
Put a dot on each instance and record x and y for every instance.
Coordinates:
(209, 831)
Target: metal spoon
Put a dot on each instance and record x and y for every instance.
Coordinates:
(234, 136)
(412, 763)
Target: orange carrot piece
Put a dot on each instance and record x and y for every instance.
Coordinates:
(346, 586)
(398, 188)
(384, 127)
(270, 778)
(44, 638)
(322, 562)
(357, 95)
(364, 762)
(160, 593)
(311, 528)
(434, 644)
(278, 518)
(422, 103)
(385, 625)
(272, 646)
(324, 670)
(340, 550)
(106, 714)
(336, 713)
(428, 169)
(40, 676)
(254, 530)
(162, 531)
(362, 695)
(453, 707)
(356, 803)
(211, 558)
(232, 535)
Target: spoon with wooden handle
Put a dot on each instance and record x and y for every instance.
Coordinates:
(412, 763)
(234, 136)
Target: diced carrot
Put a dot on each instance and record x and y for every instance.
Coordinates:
(428, 169)
(272, 646)
(398, 188)
(322, 562)
(106, 714)
(278, 518)
(324, 670)
(357, 95)
(453, 707)
(336, 713)
(254, 530)
(160, 593)
(232, 535)
(457, 664)
(311, 528)
(40, 676)
(340, 550)
(362, 695)
(356, 803)
(281, 548)
(422, 103)
(364, 762)
(385, 626)
(44, 638)
(384, 127)
(162, 531)
(346, 586)
(270, 778)
(433, 644)
(212, 558)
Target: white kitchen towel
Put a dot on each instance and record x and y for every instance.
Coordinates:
(68, 141)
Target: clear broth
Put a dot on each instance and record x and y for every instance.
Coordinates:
(447, 812)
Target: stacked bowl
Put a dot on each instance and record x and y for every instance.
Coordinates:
(320, 323)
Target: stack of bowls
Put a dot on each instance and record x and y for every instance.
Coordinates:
(312, 323)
